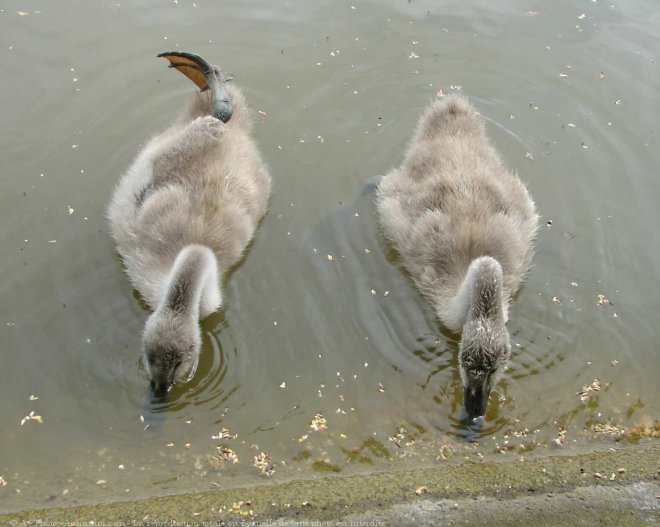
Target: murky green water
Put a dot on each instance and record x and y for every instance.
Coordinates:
(570, 93)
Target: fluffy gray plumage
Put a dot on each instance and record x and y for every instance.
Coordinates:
(181, 216)
(464, 227)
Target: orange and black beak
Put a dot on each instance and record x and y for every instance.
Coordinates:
(206, 77)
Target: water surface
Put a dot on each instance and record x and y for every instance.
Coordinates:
(320, 318)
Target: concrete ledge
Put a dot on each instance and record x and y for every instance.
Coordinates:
(557, 490)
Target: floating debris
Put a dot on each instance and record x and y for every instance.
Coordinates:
(331, 258)
(421, 490)
(264, 464)
(644, 429)
(318, 423)
(33, 398)
(585, 393)
(2, 482)
(101, 482)
(560, 440)
(602, 300)
(399, 437)
(608, 429)
(32, 417)
(224, 433)
(226, 454)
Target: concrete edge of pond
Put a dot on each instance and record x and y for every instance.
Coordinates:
(620, 487)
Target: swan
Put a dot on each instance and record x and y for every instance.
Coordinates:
(183, 214)
(464, 227)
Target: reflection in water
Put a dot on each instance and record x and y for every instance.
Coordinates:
(320, 319)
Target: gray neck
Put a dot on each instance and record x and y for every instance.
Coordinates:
(193, 281)
(480, 295)
(222, 103)
(486, 292)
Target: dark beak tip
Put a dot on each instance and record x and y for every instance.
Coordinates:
(161, 390)
(476, 404)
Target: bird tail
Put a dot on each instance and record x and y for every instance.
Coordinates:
(451, 116)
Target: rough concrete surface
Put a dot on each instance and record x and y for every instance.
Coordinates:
(619, 488)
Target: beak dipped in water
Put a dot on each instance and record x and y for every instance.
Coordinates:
(161, 389)
(476, 401)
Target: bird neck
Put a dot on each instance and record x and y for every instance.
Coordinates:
(480, 294)
(485, 288)
(222, 107)
(192, 286)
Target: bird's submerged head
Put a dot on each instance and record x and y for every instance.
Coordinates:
(172, 342)
(483, 357)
